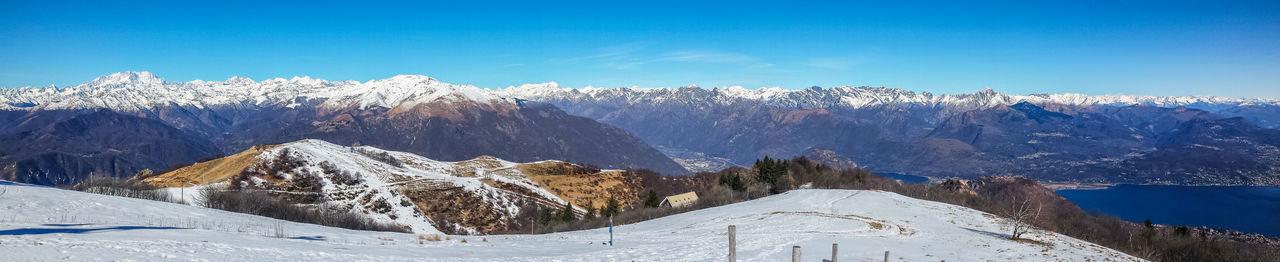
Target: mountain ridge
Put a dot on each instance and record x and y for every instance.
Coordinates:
(400, 88)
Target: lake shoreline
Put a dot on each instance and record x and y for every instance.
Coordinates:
(1076, 186)
(1246, 209)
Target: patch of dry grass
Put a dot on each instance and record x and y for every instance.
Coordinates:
(568, 182)
(213, 171)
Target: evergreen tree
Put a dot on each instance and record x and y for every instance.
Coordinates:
(769, 170)
(567, 214)
(611, 208)
(732, 181)
(591, 211)
(652, 200)
(545, 216)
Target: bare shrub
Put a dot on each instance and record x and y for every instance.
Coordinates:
(1021, 214)
(264, 204)
(381, 156)
(340, 176)
(123, 188)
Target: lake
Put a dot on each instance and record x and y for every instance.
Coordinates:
(1253, 209)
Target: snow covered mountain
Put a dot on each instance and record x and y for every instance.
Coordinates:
(1093, 138)
(134, 91)
(858, 97)
(1058, 137)
(122, 123)
(481, 195)
(141, 91)
(41, 223)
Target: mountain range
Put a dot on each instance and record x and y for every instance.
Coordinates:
(1052, 137)
(121, 123)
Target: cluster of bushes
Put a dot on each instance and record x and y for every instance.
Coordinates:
(340, 176)
(265, 204)
(284, 161)
(244, 201)
(124, 188)
(381, 156)
(566, 217)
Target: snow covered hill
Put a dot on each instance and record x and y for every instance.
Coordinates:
(480, 195)
(39, 224)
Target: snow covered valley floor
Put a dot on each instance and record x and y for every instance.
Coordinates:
(42, 224)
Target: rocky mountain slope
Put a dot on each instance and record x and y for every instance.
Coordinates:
(1061, 137)
(202, 119)
(478, 196)
(1058, 137)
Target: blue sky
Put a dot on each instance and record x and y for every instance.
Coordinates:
(1225, 48)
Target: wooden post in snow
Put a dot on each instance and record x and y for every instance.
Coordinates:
(834, 246)
(795, 253)
(886, 256)
(733, 244)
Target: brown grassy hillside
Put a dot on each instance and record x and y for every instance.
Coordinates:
(580, 185)
(213, 171)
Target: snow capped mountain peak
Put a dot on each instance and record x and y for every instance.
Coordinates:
(986, 91)
(862, 97)
(127, 77)
(137, 91)
(407, 90)
(534, 88)
(239, 80)
(408, 79)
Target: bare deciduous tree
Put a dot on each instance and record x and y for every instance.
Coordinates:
(1022, 214)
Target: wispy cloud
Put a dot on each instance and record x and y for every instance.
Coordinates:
(632, 56)
(830, 63)
(707, 56)
(609, 53)
(622, 56)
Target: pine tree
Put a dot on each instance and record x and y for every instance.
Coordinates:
(591, 210)
(567, 214)
(545, 216)
(732, 181)
(653, 200)
(611, 208)
(769, 170)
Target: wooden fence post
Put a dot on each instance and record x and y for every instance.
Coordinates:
(733, 243)
(834, 246)
(886, 256)
(795, 253)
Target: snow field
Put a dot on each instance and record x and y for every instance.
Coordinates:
(40, 224)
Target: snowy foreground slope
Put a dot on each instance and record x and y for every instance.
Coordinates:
(39, 223)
